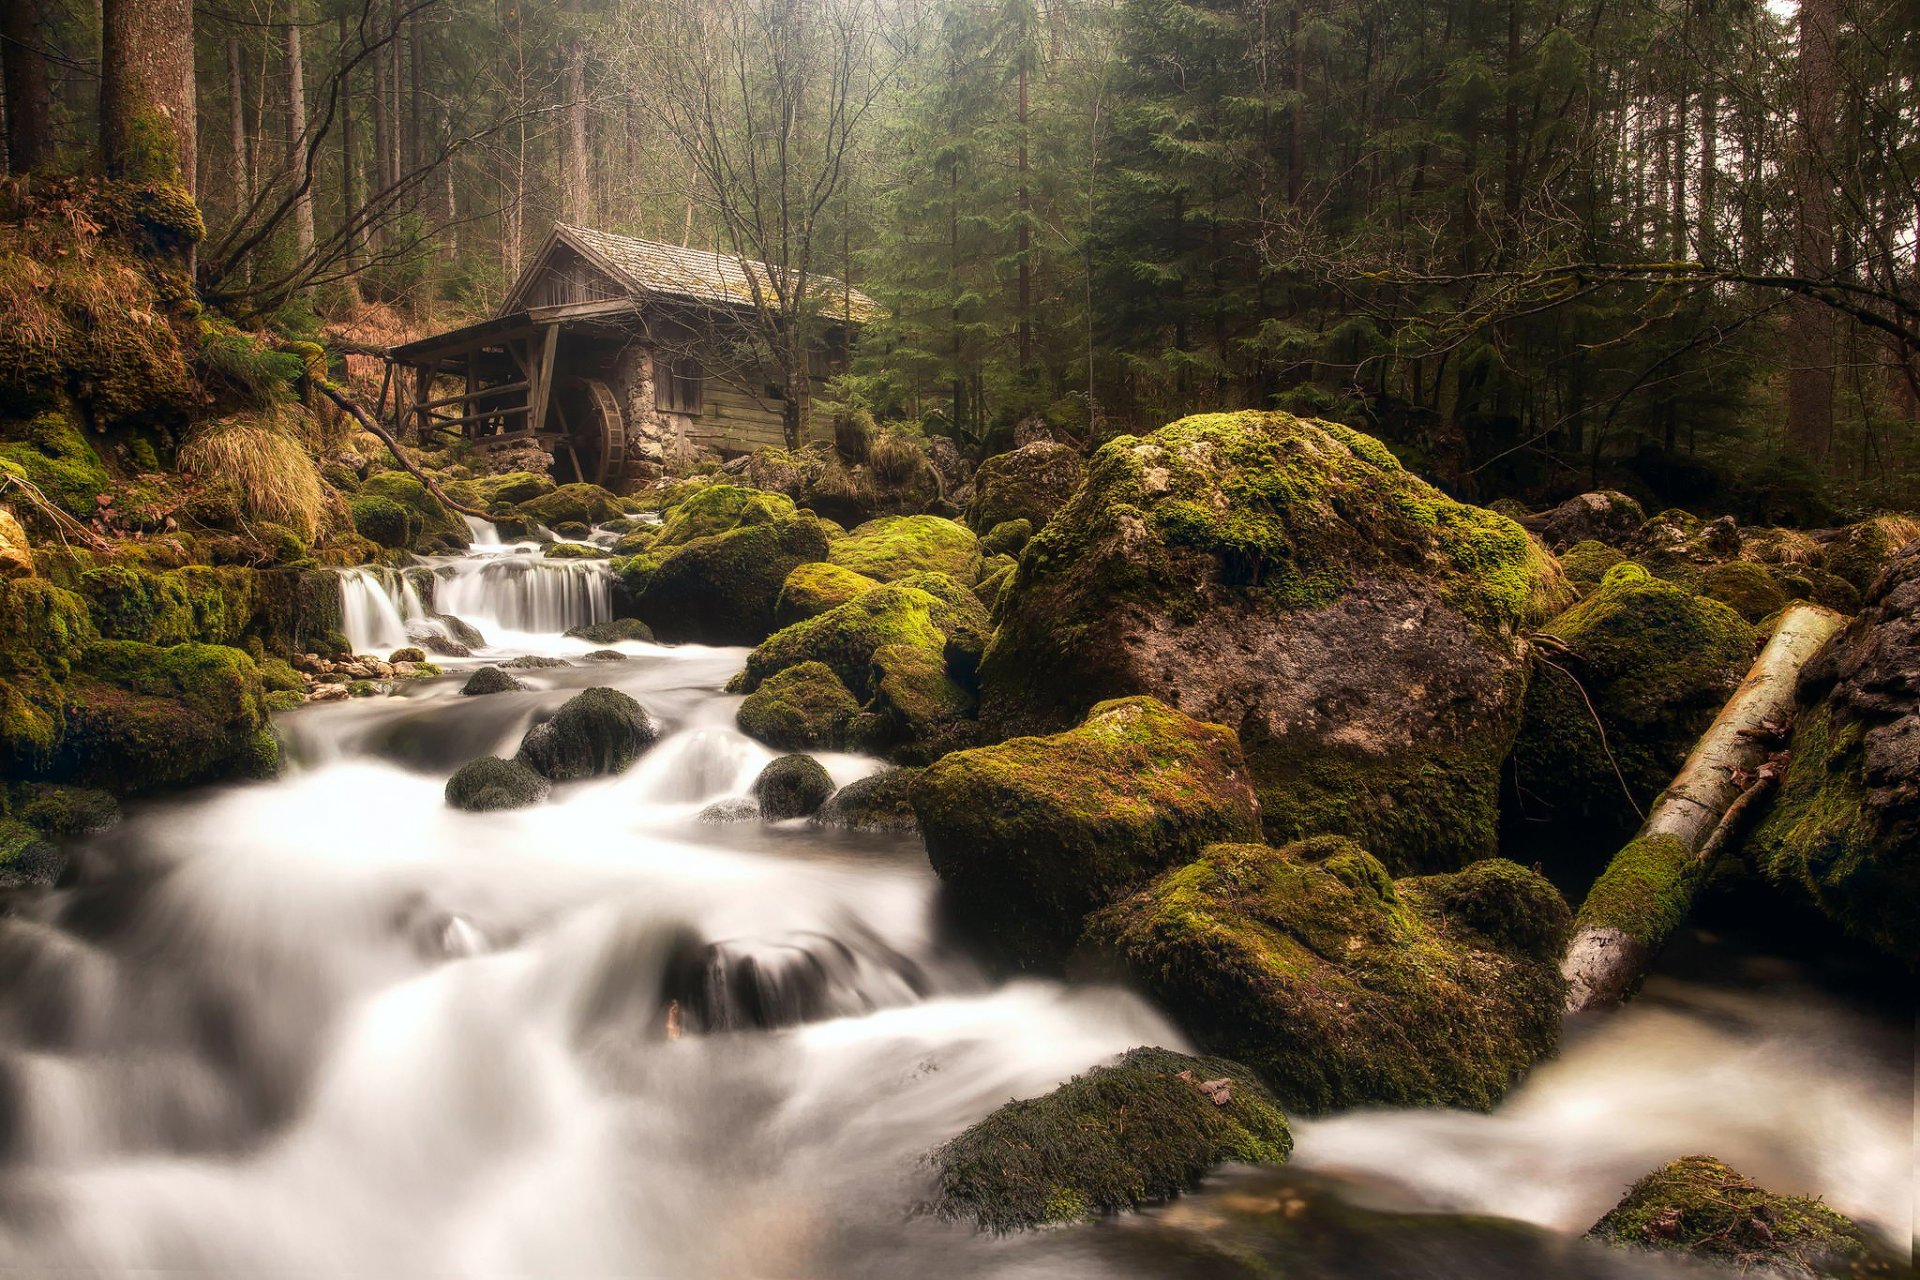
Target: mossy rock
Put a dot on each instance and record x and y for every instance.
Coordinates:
(573, 551)
(1585, 563)
(1029, 483)
(382, 520)
(1359, 629)
(918, 712)
(1606, 516)
(812, 589)
(1700, 1207)
(597, 731)
(718, 509)
(800, 708)
(1655, 663)
(1749, 589)
(61, 462)
(488, 680)
(846, 637)
(1033, 834)
(792, 786)
(490, 783)
(61, 811)
(1844, 831)
(613, 631)
(878, 802)
(1860, 551)
(587, 503)
(1118, 1137)
(27, 857)
(1007, 538)
(510, 489)
(1343, 987)
(895, 546)
(722, 588)
(428, 515)
(205, 603)
(1677, 545)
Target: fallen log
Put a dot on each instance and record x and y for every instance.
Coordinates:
(1648, 888)
(372, 424)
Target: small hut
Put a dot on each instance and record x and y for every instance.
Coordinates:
(613, 356)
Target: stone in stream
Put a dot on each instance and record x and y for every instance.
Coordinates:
(878, 802)
(533, 662)
(722, 588)
(1362, 632)
(27, 857)
(798, 708)
(490, 680)
(1699, 1207)
(1033, 834)
(604, 655)
(1341, 986)
(490, 783)
(613, 631)
(730, 810)
(1145, 1128)
(792, 786)
(598, 731)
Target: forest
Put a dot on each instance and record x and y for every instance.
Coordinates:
(969, 639)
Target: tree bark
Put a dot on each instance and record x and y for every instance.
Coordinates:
(576, 189)
(297, 134)
(1646, 891)
(1809, 323)
(349, 205)
(29, 96)
(146, 91)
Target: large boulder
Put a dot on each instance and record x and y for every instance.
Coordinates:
(1699, 1207)
(1343, 987)
(587, 504)
(1145, 1128)
(793, 786)
(490, 784)
(878, 802)
(1860, 551)
(800, 708)
(846, 637)
(1678, 545)
(721, 588)
(894, 546)
(812, 589)
(1029, 483)
(720, 508)
(1033, 834)
(1845, 829)
(597, 731)
(1606, 516)
(1360, 630)
(1654, 663)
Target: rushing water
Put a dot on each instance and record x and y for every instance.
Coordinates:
(327, 1026)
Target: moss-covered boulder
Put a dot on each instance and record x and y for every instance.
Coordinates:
(49, 451)
(846, 637)
(919, 711)
(141, 717)
(1033, 834)
(586, 503)
(1677, 545)
(490, 783)
(27, 857)
(800, 708)
(1029, 483)
(43, 629)
(812, 589)
(721, 588)
(383, 520)
(613, 631)
(1699, 1207)
(792, 786)
(63, 811)
(1343, 987)
(427, 516)
(1008, 538)
(1585, 563)
(488, 680)
(719, 508)
(207, 603)
(507, 489)
(1145, 1128)
(1860, 551)
(895, 546)
(1655, 663)
(597, 731)
(1606, 516)
(1845, 828)
(1360, 630)
(1749, 589)
(878, 802)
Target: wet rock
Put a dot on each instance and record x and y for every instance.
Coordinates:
(721, 508)
(919, 711)
(893, 547)
(489, 680)
(812, 589)
(732, 809)
(1698, 1206)
(27, 858)
(1605, 516)
(1343, 987)
(490, 783)
(64, 811)
(583, 504)
(793, 786)
(1029, 483)
(533, 662)
(720, 589)
(407, 655)
(1845, 829)
(878, 802)
(1145, 1128)
(603, 655)
(1033, 834)
(800, 708)
(1656, 663)
(1361, 631)
(615, 631)
(598, 731)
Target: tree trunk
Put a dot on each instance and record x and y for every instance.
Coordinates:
(237, 124)
(575, 186)
(1646, 891)
(29, 96)
(146, 91)
(1025, 300)
(1810, 323)
(349, 206)
(297, 137)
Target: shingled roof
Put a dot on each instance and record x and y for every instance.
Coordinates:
(649, 268)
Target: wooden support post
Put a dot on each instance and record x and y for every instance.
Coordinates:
(543, 378)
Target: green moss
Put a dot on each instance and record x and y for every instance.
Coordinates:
(509, 489)
(1342, 987)
(812, 589)
(490, 784)
(792, 786)
(1007, 538)
(919, 712)
(846, 637)
(1862, 550)
(1107, 1141)
(719, 508)
(1746, 588)
(721, 589)
(573, 551)
(1030, 483)
(383, 520)
(62, 811)
(586, 503)
(26, 856)
(597, 731)
(895, 546)
(426, 514)
(1585, 563)
(1033, 834)
(1698, 1206)
(140, 717)
(58, 460)
(878, 802)
(1645, 890)
(205, 603)
(278, 677)
(800, 708)
(284, 700)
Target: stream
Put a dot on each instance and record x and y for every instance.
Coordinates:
(326, 1025)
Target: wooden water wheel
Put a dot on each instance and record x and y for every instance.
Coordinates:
(593, 432)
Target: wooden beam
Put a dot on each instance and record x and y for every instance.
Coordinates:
(504, 388)
(543, 378)
(510, 411)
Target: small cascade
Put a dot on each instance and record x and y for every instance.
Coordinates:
(376, 606)
(527, 593)
(481, 533)
(745, 984)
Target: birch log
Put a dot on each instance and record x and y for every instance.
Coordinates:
(1646, 891)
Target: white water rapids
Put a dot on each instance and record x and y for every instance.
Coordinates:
(325, 1026)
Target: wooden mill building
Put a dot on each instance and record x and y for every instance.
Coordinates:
(616, 356)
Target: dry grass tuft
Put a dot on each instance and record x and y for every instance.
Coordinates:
(277, 477)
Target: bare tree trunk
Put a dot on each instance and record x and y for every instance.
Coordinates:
(29, 95)
(237, 123)
(1707, 189)
(1646, 891)
(576, 192)
(1810, 323)
(1025, 300)
(416, 96)
(297, 133)
(146, 90)
(349, 197)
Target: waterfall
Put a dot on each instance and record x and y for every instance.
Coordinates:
(376, 604)
(527, 593)
(482, 533)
